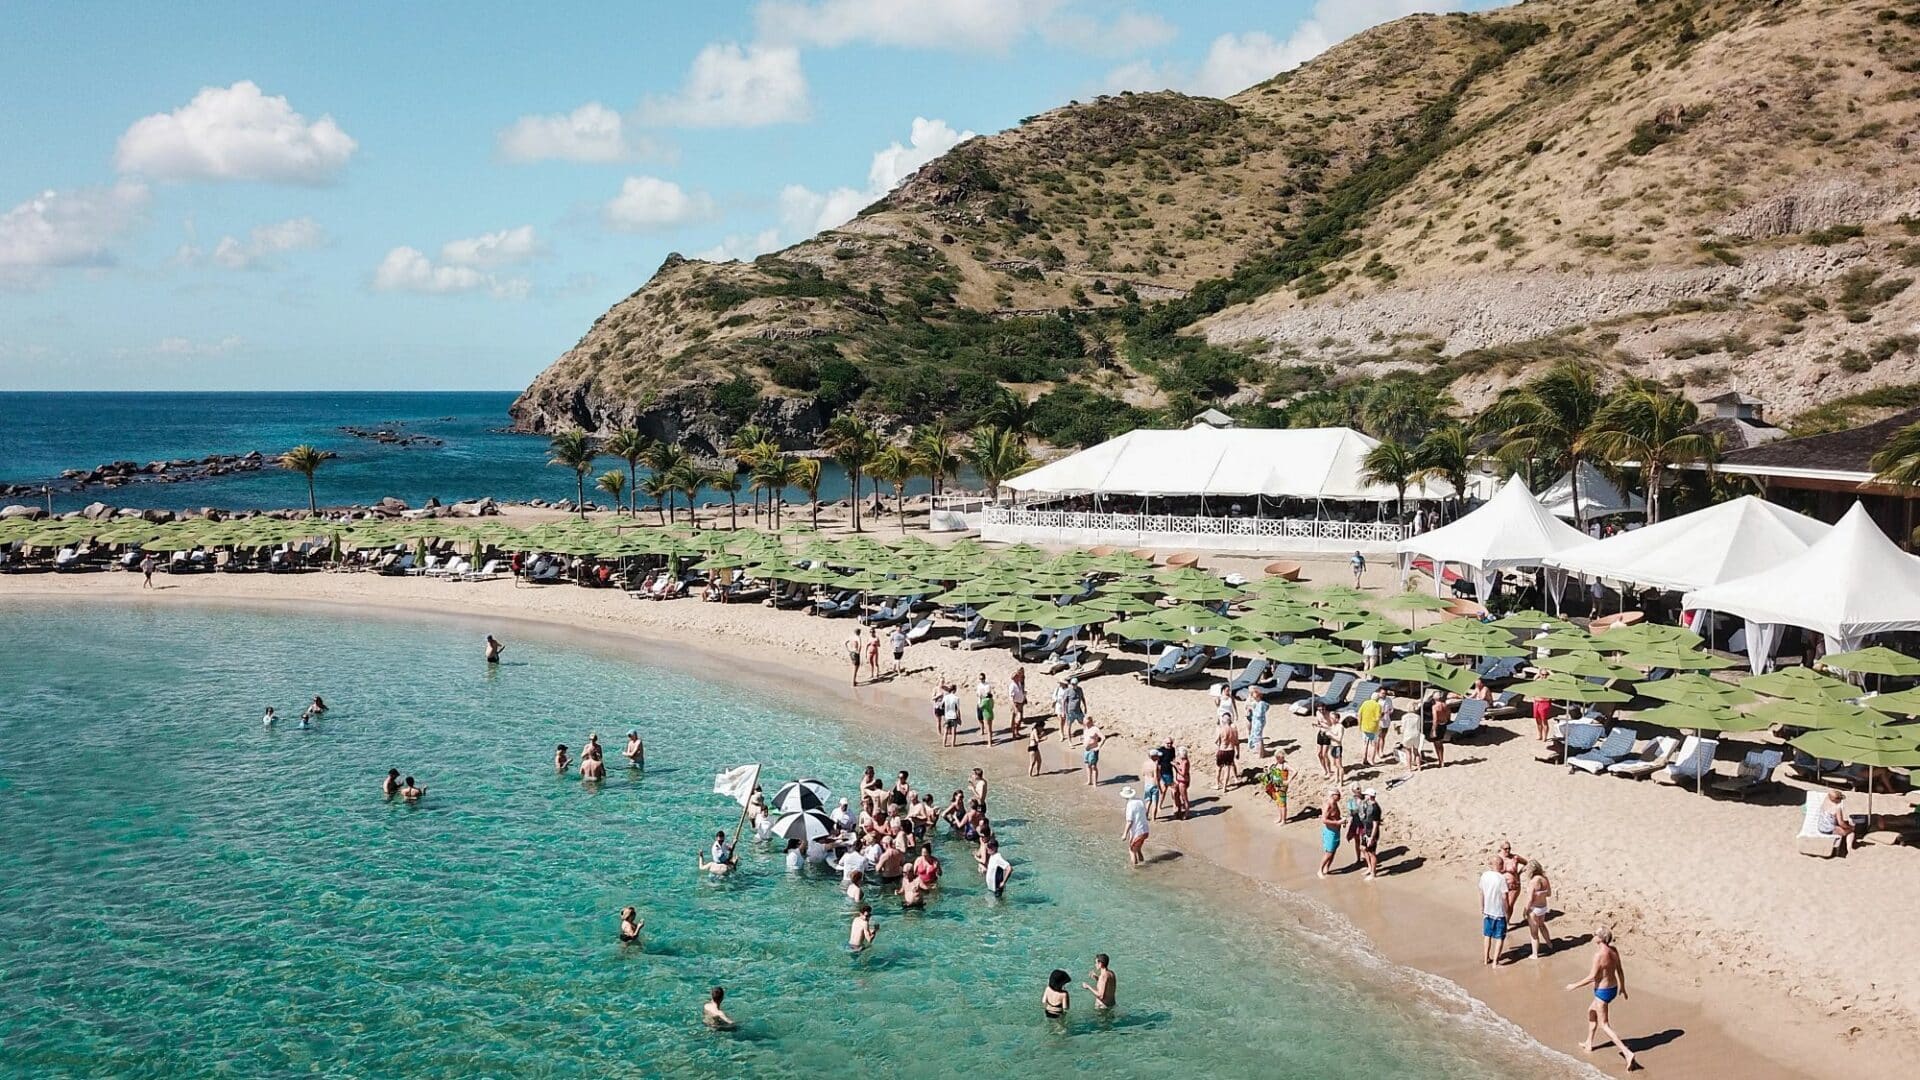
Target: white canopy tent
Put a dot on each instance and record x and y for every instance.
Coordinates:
(1849, 584)
(1599, 497)
(1297, 463)
(1722, 542)
(1511, 530)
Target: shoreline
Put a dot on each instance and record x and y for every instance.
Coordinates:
(1696, 1020)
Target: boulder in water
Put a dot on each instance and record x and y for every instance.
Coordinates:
(31, 513)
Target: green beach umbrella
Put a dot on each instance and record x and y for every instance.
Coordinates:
(1824, 716)
(1696, 690)
(1273, 622)
(1414, 603)
(903, 587)
(1673, 659)
(1015, 609)
(1425, 669)
(1700, 716)
(1376, 630)
(1146, 628)
(1586, 665)
(1876, 660)
(1567, 639)
(1121, 604)
(1194, 615)
(1315, 653)
(1332, 594)
(1640, 635)
(1135, 586)
(1278, 588)
(1896, 749)
(970, 593)
(1211, 590)
(1904, 703)
(1059, 617)
(1561, 687)
(1532, 619)
(1465, 637)
(1801, 683)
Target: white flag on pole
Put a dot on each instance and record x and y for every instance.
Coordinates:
(737, 784)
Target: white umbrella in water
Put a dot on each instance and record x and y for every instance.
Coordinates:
(797, 795)
(805, 826)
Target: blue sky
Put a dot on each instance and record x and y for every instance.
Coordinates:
(423, 196)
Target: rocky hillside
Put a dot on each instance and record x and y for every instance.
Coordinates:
(1720, 194)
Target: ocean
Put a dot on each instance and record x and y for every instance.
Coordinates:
(42, 434)
(190, 893)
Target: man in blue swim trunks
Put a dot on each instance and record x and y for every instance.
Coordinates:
(1493, 910)
(1608, 977)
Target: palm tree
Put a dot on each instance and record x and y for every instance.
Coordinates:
(574, 449)
(726, 478)
(1402, 410)
(630, 446)
(663, 459)
(851, 442)
(659, 488)
(306, 460)
(896, 465)
(1898, 462)
(613, 482)
(774, 475)
(1323, 412)
(745, 447)
(807, 479)
(1647, 425)
(931, 454)
(1446, 454)
(1548, 421)
(997, 454)
(687, 478)
(1009, 412)
(1391, 463)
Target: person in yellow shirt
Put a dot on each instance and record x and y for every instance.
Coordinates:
(1372, 718)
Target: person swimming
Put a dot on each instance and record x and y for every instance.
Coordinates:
(636, 751)
(862, 932)
(560, 759)
(313, 711)
(630, 926)
(592, 769)
(268, 719)
(391, 786)
(411, 791)
(711, 1013)
(1054, 1000)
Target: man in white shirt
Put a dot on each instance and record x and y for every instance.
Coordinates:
(1493, 910)
(999, 870)
(853, 862)
(950, 715)
(1136, 831)
(843, 817)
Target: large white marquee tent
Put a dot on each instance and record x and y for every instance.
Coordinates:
(1721, 542)
(1296, 463)
(1511, 530)
(1599, 497)
(1848, 585)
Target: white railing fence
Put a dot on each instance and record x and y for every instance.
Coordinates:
(1161, 530)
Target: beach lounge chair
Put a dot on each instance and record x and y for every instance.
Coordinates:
(486, 573)
(432, 565)
(1361, 691)
(451, 569)
(1165, 662)
(919, 630)
(1506, 704)
(1467, 719)
(1578, 737)
(1694, 761)
(1048, 643)
(987, 634)
(1254, 675)
(1090, 664)
(1754, 773)
(1336, 692)
(1653, 757)
(1615, 747)
(1808, 767)
(1191, 666)
(1061, 661)
(1811, 841)
(399, 566)
(1497, 668)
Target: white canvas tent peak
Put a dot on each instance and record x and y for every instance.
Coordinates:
(1512, 529)
(1599, 496)
(1299, 463)
(1848, 585)
(1725, 541)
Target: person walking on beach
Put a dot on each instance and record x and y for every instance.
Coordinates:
(873, 654)
(1366, 832)
(1182, 782)
(146, 571)
(1226, 753)
(1538, 890)
(899, 643)
(1151, 791)
(1257, 721)
(1372, 713)
(1324, 723)
(1358, 564)
(1060, 708)
(1017, 700)
(983, 706)
(1033, 750)
(1493, 911)
(1105, 986)
(1275, 782)
(1136, 826)
(1542, 718)
(1329, 830)
(494, 649)
(712, 1015)
(1076, 704)
(1608, 977)
(1090, 739)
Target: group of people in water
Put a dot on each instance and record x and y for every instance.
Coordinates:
(592, 763)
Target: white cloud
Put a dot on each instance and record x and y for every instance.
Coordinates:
(235, 133)
(962, 25)
(732, 86)
(1236, 61)
(804, 211)
(648, 202)
(504, 248)
(262, 243)
(182, 348)
(407, 269)
(591, 133)
(741, 247)
(67, 228)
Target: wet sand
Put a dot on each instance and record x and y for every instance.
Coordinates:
(1422, 912)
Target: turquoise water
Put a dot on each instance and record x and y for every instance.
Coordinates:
(42, 434)
(186, 892)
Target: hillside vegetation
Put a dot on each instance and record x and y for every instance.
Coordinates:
(1712, 195)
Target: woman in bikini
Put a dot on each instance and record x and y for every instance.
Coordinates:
(1539, 893)
(1054, 1000)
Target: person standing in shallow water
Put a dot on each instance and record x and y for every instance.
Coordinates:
(494, 649)
(1054, 1000)
(1105, 986)
(712, 1015)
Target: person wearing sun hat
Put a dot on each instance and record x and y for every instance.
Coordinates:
(1136, 829)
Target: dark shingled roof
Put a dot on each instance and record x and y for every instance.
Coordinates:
(1841, 451)
(1737, 434)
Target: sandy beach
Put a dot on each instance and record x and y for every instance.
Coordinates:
(1745, 957)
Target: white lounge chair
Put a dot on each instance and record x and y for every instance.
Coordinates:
(486, 573)
(1651, 759)
(1694, 762)
(1616, 746)
(1756, 769)
(1812, 841)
